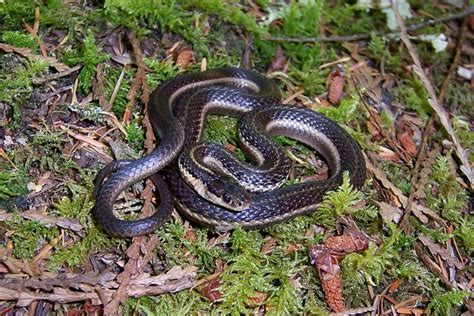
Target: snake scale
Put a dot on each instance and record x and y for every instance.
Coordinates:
(246, 194)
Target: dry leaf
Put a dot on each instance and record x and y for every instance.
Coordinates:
(26, 52)
(389, 213)
(410, 311)
(280, 61)
(405, 137)
(335, 83)
(444, 253)
(398, 198)
(211, 290)
(268, 245)
(185, 58)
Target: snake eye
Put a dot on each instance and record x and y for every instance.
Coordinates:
(227, 198)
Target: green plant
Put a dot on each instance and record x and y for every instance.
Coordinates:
(167, 15)
(371, 265)
(284, 298)
(160, 71)
(442, 303)
(414, 97)
(411, 270)
(244, 281)
(79, 206)
(465, 232)
(27, 236)
(19, 39)
(178, 247)
(16, 84)
(337, 203)
(135, 135)
(89, 56)
(12, 184)
(180, 304)
(53, 12)
(450, 197)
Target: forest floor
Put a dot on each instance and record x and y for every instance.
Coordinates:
(75, 77)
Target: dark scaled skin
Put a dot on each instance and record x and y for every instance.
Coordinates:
(338, 148)
(123, 174)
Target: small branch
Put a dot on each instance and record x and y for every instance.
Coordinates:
(358, 37)
(433, 100)
(404, 222)
(25, 298)
(46, 220)
(70, 287)
(58, 75)
(140, 77)
(27, 53)
(455, 63)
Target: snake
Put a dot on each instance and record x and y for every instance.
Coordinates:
(184, 170)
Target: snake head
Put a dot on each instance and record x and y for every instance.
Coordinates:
(228, 194)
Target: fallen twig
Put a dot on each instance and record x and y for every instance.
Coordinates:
(140, 77)
(404, 222)
(85, 286)
(34, 32)
(60, 295)
(433, 100)
(455, 63)
(82, 138)
(358, 37)
(58, 75)
(46, 220)
(26, 52)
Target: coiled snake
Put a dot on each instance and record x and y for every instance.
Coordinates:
(245, 194)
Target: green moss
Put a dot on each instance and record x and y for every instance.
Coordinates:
(443, 303)
(111, 76)
(229, 11)
(178, 17)
(465, 232)
(444, 194)
(19, 39)
(180, 304)
(245, 279)
(414, 97)
(45, 152)
(397, 174)
(16, 84)
(28, 236)
(437, 234)
(284, 297)
(142, 14)
(135, 135)
(459, 100)
(337, 203)
(348, 19)
(53, 12)
(13, 11)
(223, 130)
(183, 250)
(79, 206)
(160, 71)
(89, 56)
(12, 184)
(411, 271)
(371, 265)
(292, 231)
(466, 136)
(344, 112)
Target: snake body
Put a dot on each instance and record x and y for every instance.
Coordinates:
(177, 110)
